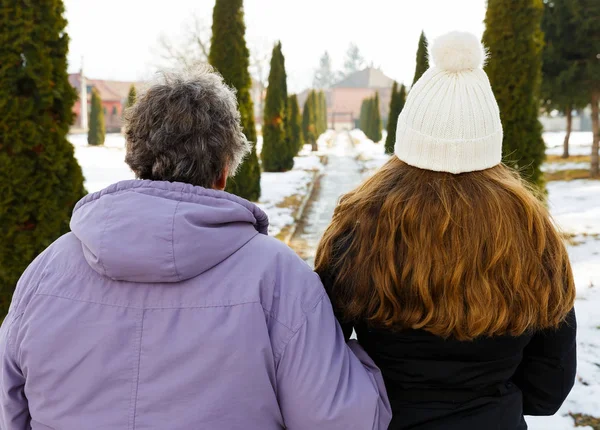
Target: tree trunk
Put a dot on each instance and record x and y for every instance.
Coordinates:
(569, 112)
(315, 147)
(595, 171)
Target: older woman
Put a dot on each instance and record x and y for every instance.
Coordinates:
(168, 307)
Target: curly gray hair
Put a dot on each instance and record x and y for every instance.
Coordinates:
(185, 128)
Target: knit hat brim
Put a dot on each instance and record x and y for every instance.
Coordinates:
(444, 155)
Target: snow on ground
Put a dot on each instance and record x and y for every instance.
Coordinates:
(371, 154)
(102, 165)
(279, 187)
(569, 165)
(580, 142)
(105, 165)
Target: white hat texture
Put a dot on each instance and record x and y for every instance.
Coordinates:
(451, 121)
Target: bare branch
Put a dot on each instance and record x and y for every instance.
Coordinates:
(193, 48)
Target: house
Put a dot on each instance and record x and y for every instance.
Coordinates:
(113, 95)
(344, 99)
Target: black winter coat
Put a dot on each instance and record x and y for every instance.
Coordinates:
(485, 384)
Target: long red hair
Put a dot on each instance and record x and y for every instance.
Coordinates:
(466, 255)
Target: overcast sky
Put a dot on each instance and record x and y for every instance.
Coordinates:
(119, 38)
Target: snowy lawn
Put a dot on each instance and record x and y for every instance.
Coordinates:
(102, 165)
(575, 206)
(282, 193)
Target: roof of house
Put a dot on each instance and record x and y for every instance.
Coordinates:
(109, 90)
(367, 78)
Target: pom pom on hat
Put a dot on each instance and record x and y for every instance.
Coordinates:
(457, 51)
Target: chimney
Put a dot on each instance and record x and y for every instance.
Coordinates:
(83, 101)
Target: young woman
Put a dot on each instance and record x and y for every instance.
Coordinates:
(449, 269)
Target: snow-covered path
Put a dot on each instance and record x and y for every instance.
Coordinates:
(341, 174)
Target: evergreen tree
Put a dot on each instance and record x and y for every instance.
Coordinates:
(306, 120)
(422, 58)
(560, 90)
(390, 139)
(514, 69)
(97, 130)
(131, 97)
(579, 27)
(40, 179)
(309, 120)
(375, 121)
(354, 62)
(231, 57)
(396, 106)
(277, 155)
(322, 113)
(367, 120)
(307, 114)
(364, 116)
(399, 105)
(315, 115)
(324, 75)
(295, 119)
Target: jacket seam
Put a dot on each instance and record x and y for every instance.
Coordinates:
(148, 308)
(173, 239)
(295, 332)
(110, 204)
(22, 311)
(10, 333)
(136, 381)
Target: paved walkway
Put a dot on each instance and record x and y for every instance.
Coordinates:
(342, 174)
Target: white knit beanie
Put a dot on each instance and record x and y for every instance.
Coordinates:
(451, 121)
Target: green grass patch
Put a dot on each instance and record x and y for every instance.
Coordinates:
(572, 159)
(567, 175)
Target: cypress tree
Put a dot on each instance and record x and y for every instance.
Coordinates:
(514, 69)
(231, 57)
(309, 120)
(363, 119)
(306, 120)
(40, 179)
(375, 120)
(422, 58)
(131, 97)
(307, 114)
(390, 140)
(322, 112)
(97, 130)
(295, 119)
(277, 155)
(398, 105)
(315, 115)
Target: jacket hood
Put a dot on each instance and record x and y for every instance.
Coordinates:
(156, 232)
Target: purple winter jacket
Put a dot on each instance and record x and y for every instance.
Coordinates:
(168, 307)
